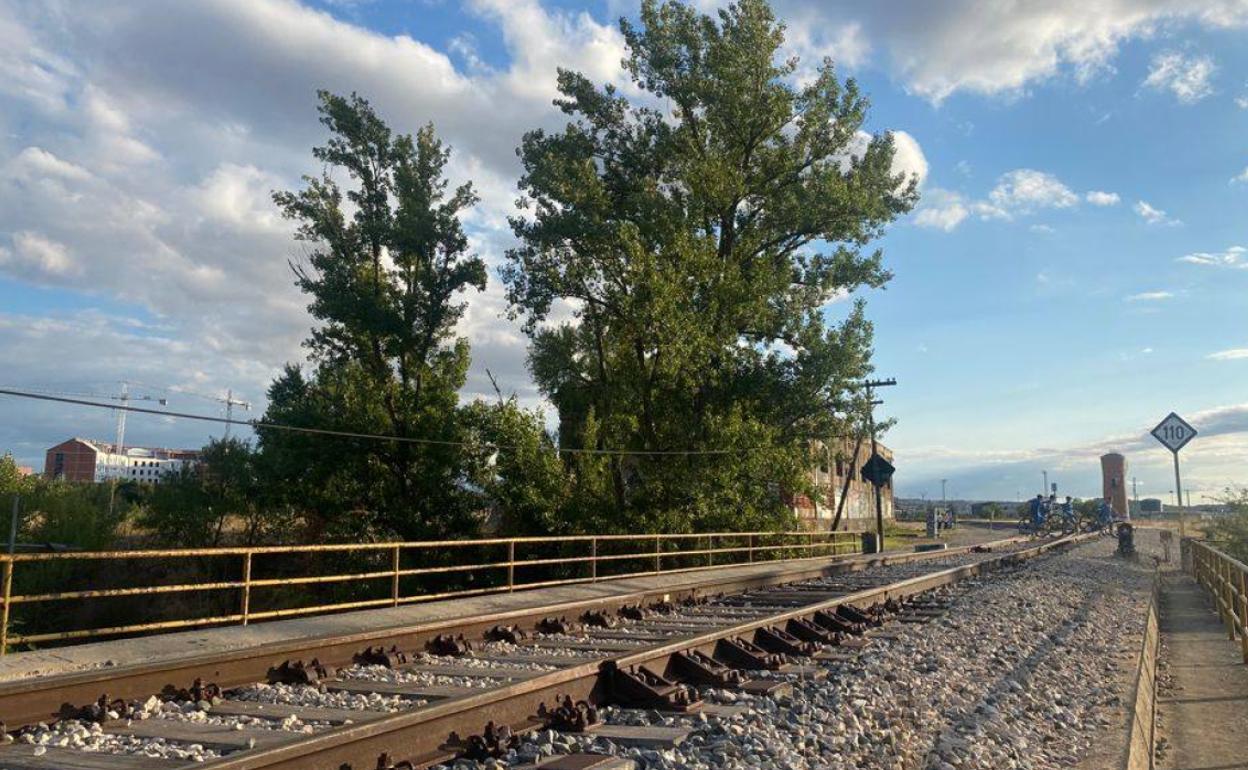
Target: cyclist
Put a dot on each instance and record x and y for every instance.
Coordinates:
(1105, 516)
(1068, 512)
(1039, 512)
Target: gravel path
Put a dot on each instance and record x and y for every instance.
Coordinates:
(1025, 672)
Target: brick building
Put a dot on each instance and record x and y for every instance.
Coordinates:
(837, 465)
(85, 460)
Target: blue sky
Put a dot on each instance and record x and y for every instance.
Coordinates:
(1075, 270)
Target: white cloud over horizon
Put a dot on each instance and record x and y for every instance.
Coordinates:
(1211, 462)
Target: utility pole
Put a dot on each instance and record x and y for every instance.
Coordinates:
(871, 385)
(943, 502)
(1135, 493)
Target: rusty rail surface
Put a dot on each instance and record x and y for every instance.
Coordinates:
(1226, 580)
(653, 550)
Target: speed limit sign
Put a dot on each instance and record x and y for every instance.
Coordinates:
(1174, 432)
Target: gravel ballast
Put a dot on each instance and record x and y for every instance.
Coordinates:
(1028, 670)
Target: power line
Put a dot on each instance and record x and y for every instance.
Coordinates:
(259, 424)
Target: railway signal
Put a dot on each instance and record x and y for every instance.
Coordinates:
(1174, 432)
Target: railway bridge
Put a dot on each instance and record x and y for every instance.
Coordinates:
(661, 651)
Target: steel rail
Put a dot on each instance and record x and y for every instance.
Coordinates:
(421, 736)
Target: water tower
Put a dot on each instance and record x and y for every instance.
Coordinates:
(1114, 481)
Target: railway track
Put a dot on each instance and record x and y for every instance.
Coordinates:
(413, 698)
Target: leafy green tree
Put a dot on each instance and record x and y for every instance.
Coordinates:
(75, 514)
(12, 482)
(1232, 528)
(523, 482)
(222, 497)
(698, 232)
(387, 263)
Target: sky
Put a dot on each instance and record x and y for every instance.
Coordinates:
(1076, 269)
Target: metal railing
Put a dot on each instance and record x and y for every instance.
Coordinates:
(519, 565)
(1226, 580)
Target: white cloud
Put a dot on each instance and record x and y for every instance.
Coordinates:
(1150, 296)
(941, 210)
(38, 259)
(1100, 198)
(1017, 193)
(1001, 49)
(908, 157)
(1233, 257)
(164, 134)
(1153, 215)
(1241, 176)
(1042, 229)
(1234, 354)
(1187, 77)
(1024, 190)
(35, 163)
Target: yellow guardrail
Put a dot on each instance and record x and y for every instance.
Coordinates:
(1226, 579)
(739, 547)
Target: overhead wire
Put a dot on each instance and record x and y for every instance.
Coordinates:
(264, 425)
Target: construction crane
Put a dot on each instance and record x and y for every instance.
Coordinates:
(125, 398)
(231, 402)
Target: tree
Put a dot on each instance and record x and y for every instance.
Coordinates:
(1231, 529)
(384, 272)
(699, 232)
(12, 482)
(223, 495)
(517, 470)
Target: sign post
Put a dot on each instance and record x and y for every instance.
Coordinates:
(1174, 432)
(878, 471)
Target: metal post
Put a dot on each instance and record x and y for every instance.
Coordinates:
(246, 586)
(17, 507)
(593, 559)
(4, 618)
(710, 550)
(395, 559)
(750, 546)
(879, 500)
(1178, 488)
(658, 555)
(511, 565)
